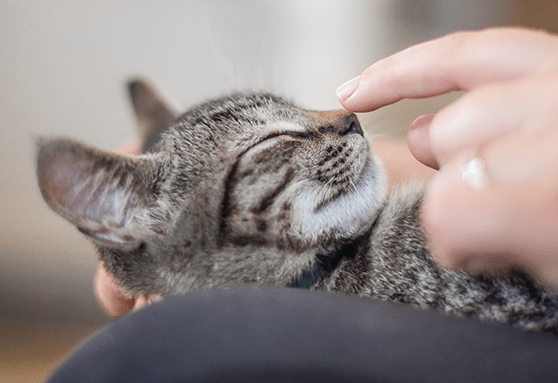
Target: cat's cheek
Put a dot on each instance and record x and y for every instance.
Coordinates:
(347, 215)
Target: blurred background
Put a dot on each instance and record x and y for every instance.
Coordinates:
(63, 65)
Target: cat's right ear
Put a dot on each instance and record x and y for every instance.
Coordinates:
(153, 112)
(101, 193)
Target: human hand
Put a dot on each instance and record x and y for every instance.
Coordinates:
(109, 294)
(508, 117)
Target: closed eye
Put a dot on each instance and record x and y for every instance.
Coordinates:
(306, 134)
(293, 134)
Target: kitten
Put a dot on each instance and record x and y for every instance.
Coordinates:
(250, 189)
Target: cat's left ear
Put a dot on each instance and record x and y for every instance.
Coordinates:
(101, 193)
(153, 111)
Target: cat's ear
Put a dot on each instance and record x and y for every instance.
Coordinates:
(99, 192)
(154, 113)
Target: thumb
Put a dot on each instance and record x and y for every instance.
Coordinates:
(511, 220)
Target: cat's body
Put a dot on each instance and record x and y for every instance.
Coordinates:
(250, 189)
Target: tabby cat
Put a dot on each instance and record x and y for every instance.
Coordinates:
(252, 190)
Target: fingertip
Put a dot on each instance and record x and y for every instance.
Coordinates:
(140, 303)
(347, 89)
(364, 93)
(146, 300)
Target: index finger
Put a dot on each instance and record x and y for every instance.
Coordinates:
(460, 61)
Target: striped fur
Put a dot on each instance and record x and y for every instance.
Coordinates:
(250, 189)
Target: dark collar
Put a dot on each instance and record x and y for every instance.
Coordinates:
(325, 265)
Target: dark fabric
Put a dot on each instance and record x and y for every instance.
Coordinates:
(294, 335)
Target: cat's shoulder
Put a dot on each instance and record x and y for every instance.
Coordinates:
(398, 225)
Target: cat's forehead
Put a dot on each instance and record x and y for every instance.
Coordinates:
(243, 112)
(237, 122)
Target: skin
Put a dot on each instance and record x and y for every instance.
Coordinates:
(508, 116)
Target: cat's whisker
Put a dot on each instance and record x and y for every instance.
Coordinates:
(352, 185)
(329, 182)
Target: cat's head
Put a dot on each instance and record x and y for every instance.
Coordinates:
(242, 189)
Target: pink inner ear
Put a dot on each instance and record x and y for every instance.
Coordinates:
(61, 176)
(98, 193)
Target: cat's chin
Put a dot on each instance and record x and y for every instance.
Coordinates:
(351, 213)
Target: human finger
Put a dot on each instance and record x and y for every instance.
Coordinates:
(459, 61)
(146, 300)
(491, 111)
(512, 220)
(418, 140)
(110, 295)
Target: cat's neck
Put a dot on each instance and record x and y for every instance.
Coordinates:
(327, 263)
(324, 266)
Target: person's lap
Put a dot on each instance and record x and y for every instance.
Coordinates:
(277, 335)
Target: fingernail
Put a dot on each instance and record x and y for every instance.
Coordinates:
(347, 89)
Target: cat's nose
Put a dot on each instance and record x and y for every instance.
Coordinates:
(339, 122)
(350, 126)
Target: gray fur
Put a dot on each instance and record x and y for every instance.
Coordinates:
(250, 189)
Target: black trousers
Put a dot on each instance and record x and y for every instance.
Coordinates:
(291, 335)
